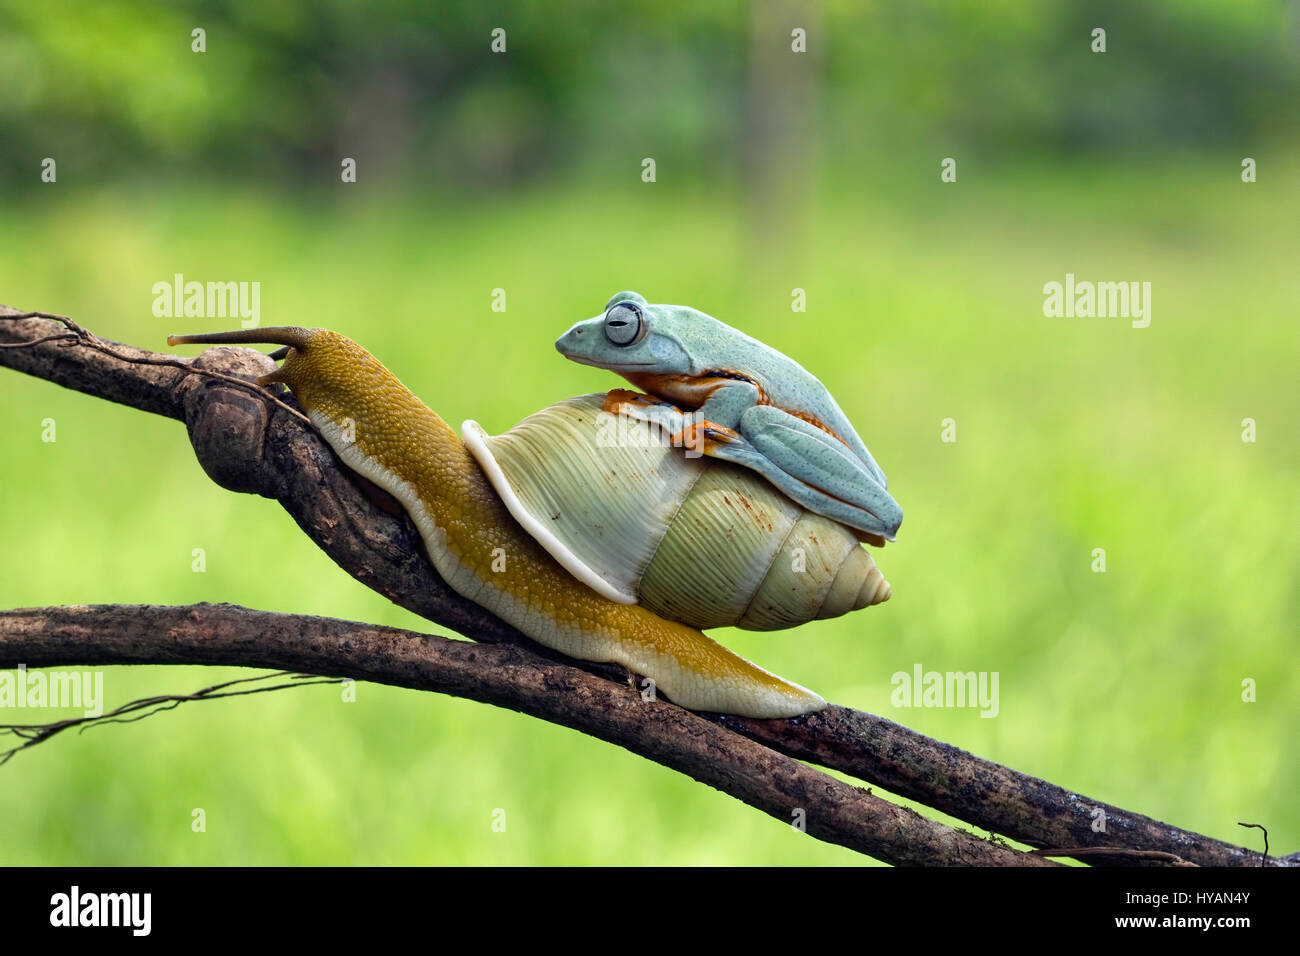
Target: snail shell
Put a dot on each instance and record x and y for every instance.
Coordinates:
(695, 540)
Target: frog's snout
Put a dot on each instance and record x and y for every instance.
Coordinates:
(564, 344)
(572, 342)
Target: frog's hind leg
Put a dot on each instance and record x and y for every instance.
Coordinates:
(810, 466)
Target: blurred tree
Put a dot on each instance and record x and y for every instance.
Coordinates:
(415, 92)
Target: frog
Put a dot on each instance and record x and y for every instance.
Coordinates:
(716, 391)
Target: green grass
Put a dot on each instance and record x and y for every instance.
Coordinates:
(924, 303)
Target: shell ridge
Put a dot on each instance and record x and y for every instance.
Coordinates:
(830, 584)
(681, 501)
(767, 570)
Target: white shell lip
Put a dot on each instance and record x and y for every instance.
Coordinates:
(475, 439)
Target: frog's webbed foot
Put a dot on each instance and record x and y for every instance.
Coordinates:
(813, 468)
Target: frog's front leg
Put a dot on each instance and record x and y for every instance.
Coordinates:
(813, 467)
(716, 419)
(665, 416)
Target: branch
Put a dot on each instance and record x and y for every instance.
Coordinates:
(249, 441)
(508, 676)
(987, 794)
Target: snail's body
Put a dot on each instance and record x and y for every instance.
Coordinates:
(383, 431)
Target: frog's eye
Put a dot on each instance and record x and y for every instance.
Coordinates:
(625, 324)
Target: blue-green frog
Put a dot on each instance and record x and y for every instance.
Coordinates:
(746, 403)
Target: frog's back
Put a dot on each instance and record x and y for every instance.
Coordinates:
(784, 383)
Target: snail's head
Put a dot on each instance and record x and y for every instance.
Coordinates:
(320, 366)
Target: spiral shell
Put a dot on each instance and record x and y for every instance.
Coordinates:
(695, 540)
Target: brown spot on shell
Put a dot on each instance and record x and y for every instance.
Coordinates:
(763, 520)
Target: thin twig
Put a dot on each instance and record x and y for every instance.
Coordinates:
(34, 734)
(1264, 861)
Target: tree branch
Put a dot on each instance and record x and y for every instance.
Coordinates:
(508, 676)
(987, 794)
(249, 441)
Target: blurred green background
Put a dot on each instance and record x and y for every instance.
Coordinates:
(819, 171)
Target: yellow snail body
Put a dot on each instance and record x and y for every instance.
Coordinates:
(384, 432)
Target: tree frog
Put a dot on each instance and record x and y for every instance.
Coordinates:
(750, 405)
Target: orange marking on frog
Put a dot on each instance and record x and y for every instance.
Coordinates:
(616, 398)
(693, 391)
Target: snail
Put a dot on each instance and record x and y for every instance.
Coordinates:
(615, 551)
